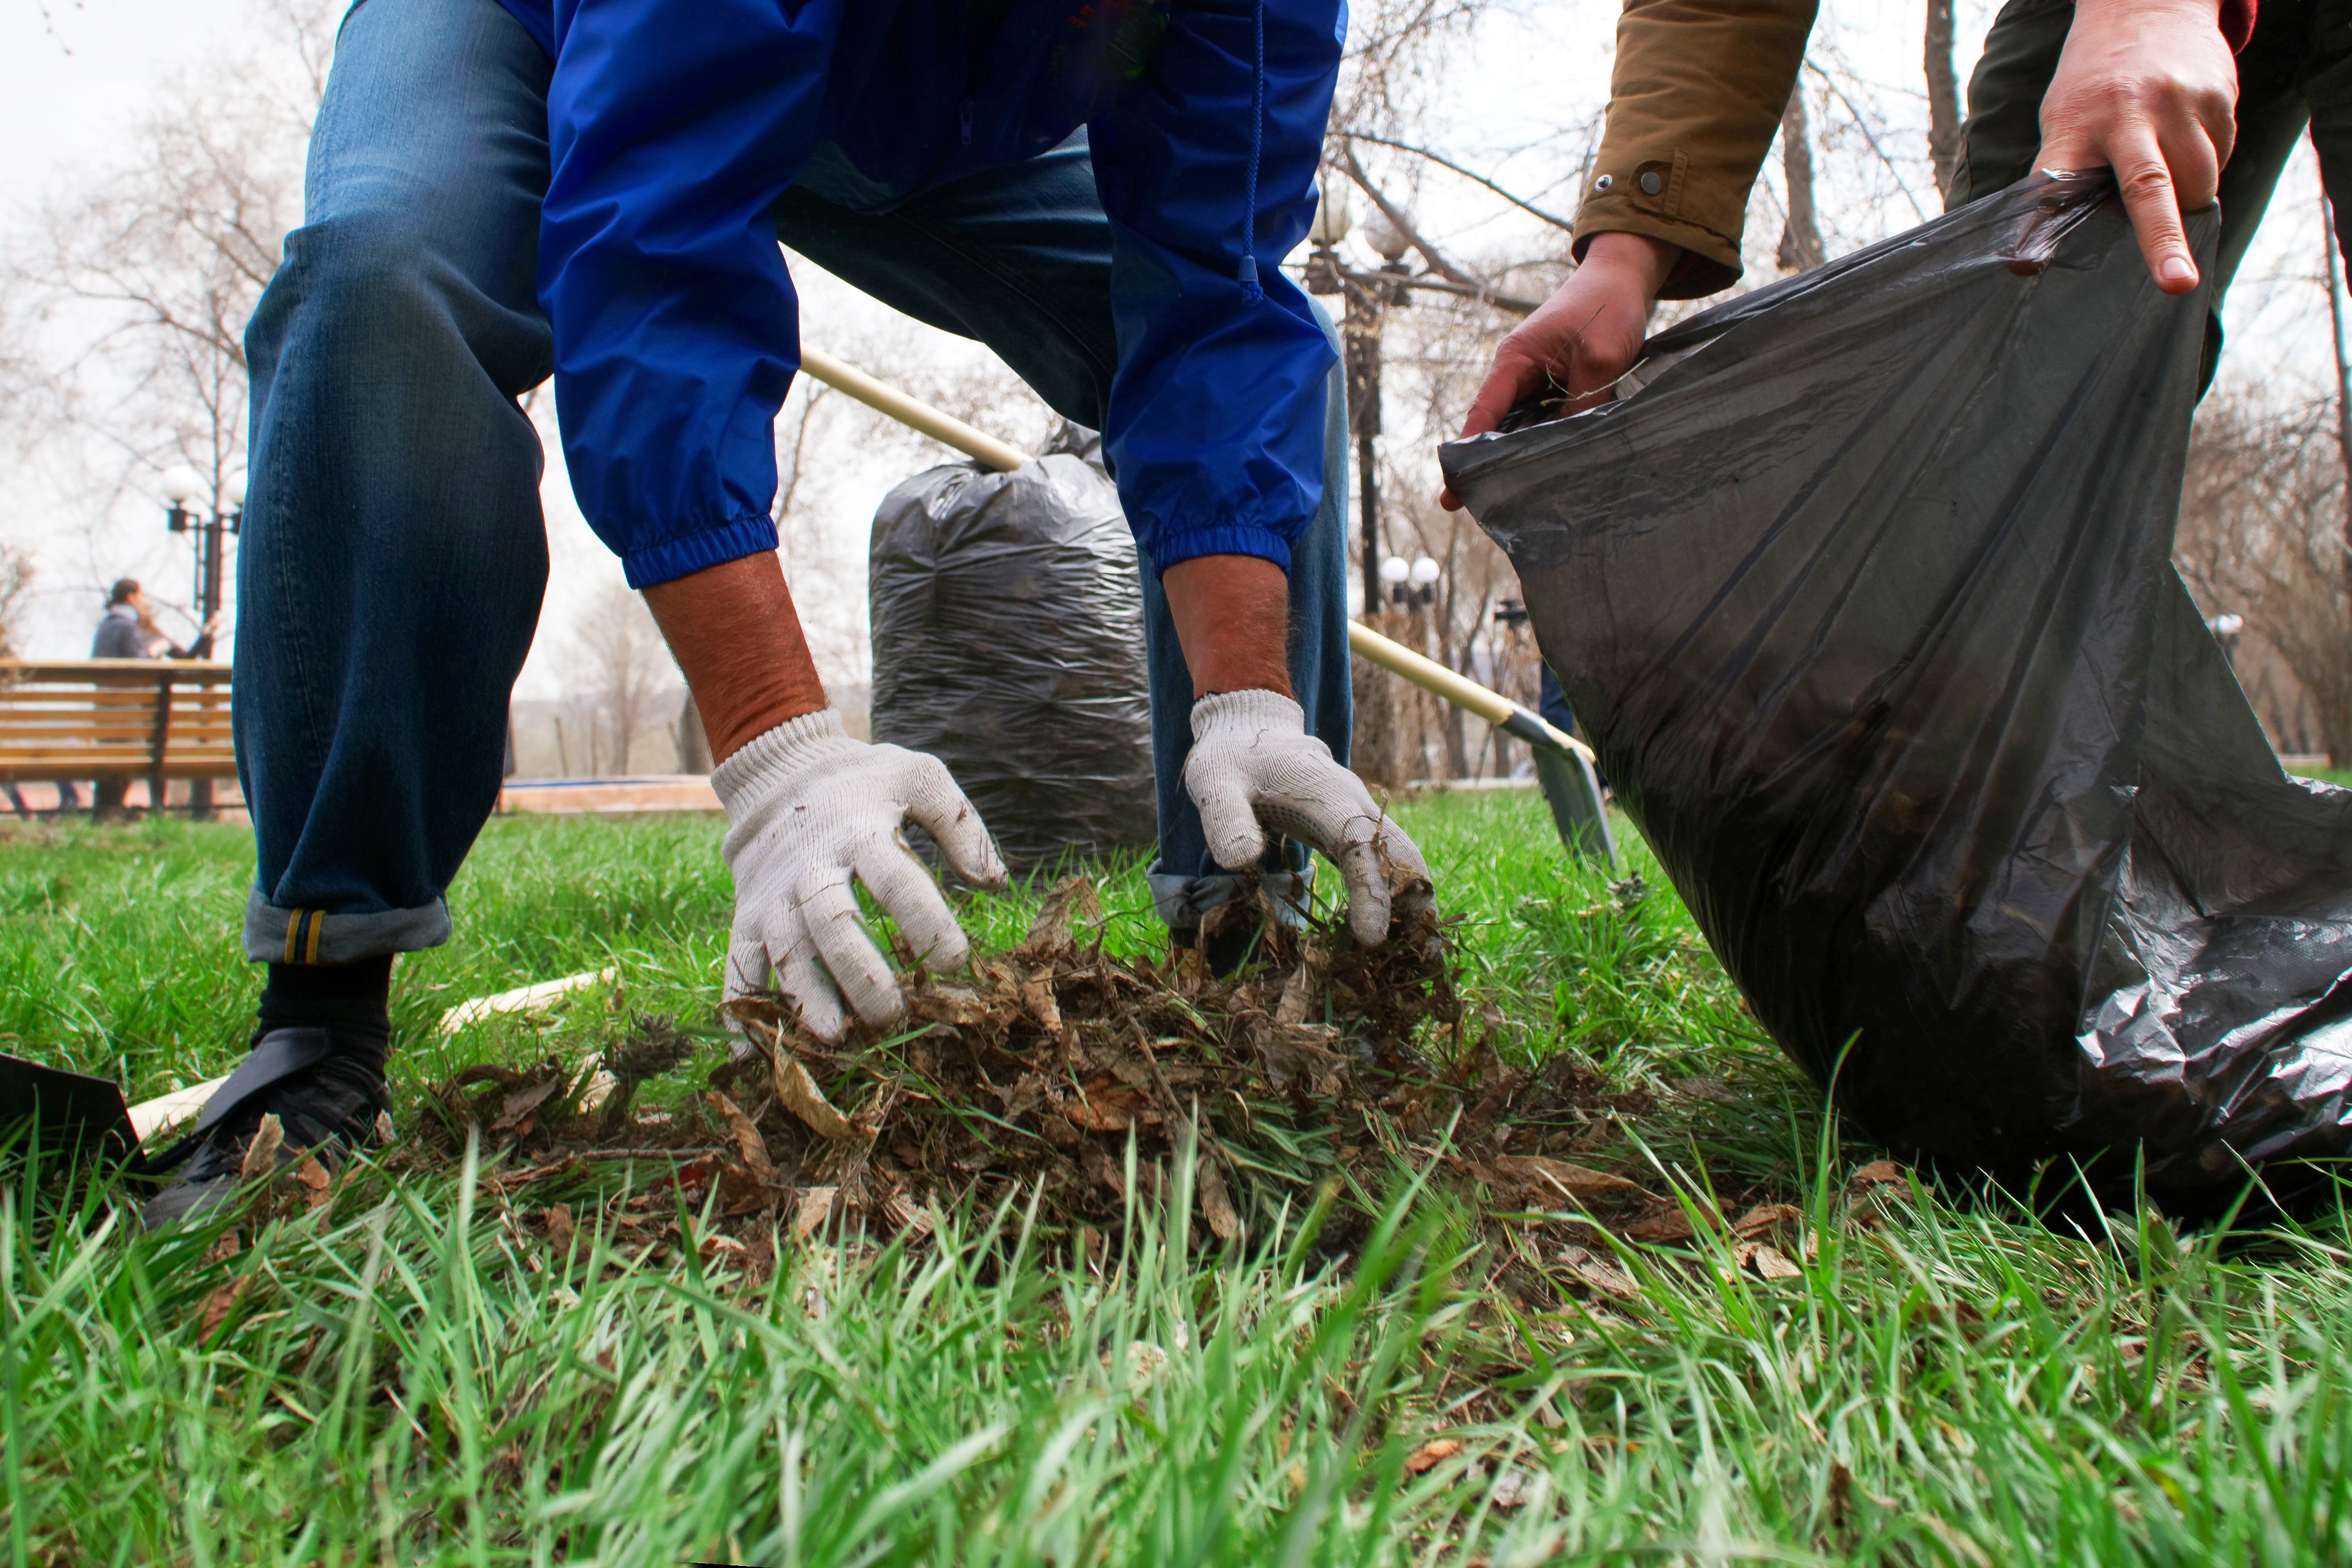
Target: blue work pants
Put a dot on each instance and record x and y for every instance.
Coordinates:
(394, 555)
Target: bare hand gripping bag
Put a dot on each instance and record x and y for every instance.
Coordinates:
(1865, 593)
(1008, 642)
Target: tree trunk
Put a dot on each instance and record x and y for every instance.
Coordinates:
(1801, 240)
(1359, 341)
(1943, 98)
(2331, 250)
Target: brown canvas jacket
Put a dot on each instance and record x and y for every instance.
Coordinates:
(1697, 94)
(1696, 97)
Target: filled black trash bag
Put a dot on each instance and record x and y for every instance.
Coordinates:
(1865, 597)
(1008, 642)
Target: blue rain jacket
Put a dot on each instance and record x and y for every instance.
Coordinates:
(675, 126)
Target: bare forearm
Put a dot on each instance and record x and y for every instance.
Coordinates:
(1232, 619)
(737, 636)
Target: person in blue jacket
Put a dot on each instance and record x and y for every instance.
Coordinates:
(503, 189)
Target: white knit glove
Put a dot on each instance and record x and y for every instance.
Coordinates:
(1254, 767)
(807, 809)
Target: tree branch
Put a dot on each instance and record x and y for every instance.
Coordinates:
(1403, 224)
(1444, 162)
(1485, 295)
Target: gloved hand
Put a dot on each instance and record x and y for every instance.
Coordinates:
(1254, 767)
(807, 809)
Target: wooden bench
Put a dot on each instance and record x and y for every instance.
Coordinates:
(156, 719)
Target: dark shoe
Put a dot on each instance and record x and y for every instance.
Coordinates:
(1225, 945)
(325, 1087)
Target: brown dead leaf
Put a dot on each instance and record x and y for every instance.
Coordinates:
(1102, 1168)
(1430, 1454)
(1038, 995)
(219, 1303)
(803, 1099)
(261, 1155)
(1664, 1228)
(1598, 1270)
(520, 1108)
(1300, 1056)
(1217, 1203)
(1767, 1218)
(1557, 1177)
(1105, 1106)
(1765, 1261)
(1879, 1173)
(1049, 932)
(312, 1176)
(951, 1005)
(559, 1228)
(812, 1207)
(1296, 993)
(748, 1142)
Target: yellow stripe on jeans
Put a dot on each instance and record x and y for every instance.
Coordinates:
(293, 934)
(318, 925)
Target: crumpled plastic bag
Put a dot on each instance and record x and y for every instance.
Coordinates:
(1008, 642)
(1865, 593)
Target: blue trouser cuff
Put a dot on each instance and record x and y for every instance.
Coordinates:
(275, 935)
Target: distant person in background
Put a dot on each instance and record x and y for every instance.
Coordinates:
(128, 630)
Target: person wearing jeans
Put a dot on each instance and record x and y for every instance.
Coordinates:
(498, 192)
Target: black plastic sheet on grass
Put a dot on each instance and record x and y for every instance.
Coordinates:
(1866, 595)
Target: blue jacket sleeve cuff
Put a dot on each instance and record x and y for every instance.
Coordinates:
(1230, 539)
(680, 557)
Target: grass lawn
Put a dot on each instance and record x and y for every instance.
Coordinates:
(412, 1374)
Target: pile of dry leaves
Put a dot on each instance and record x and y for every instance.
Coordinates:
(1062, 1070)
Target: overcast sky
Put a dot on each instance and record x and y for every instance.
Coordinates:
(75, 79)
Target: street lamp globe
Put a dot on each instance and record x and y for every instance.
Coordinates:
(1332, 219)
(1394, 570)
(233, 493)
(181, 485)
(1424, 572)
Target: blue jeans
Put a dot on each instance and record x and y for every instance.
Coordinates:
(394, 555)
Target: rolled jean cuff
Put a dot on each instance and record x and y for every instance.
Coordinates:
(275, 935)
(1184, 901)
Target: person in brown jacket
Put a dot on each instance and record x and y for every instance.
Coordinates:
(2185, 100)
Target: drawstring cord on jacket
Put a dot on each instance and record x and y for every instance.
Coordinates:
(1248, 271)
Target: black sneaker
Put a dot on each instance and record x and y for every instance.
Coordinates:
(325, 1087)
(1228, 939)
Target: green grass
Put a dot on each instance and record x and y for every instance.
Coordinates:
(412, 1375)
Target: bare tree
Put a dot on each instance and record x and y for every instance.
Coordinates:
(625, 665)
(2262, 537)
(16, 583)
(1942, 97)
(2333, 278)
(133, 293)
(1800, 237)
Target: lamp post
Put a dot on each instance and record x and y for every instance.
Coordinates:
(182, 486)
(1367, 298)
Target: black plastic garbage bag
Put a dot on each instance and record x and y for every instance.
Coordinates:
(1008, 642)
(1865, 595)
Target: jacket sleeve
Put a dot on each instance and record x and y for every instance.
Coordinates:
(1693, 102)
(676, 326)
(1216, 422)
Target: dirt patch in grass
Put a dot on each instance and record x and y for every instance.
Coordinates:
(1059, 1070)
